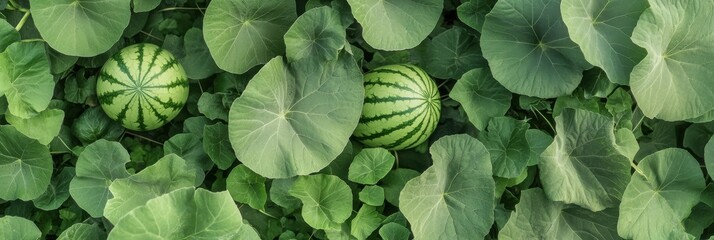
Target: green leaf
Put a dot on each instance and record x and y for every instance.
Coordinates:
(370, 165)
(365, 222)
(18, 228)
(473, 13)
(82, 28)
(57, 192)
(81, 231)
(78, 88)
(247, 187)
(536, 217)
(217, 145)
(167, 174)
(481, 96)
(326, 199)
(394, 182)
(674, 77)
(145, 5)
(619, 104)
(25, 166)
(507, 144)
(189, 147)
(211, 105)
(94, 124)
(528, 49)
(452, 53)
(372, 195)
(317, 34)
(452, 199)
(657, 200)
(577, 101)
(185, 213)
(709, 157)
(603, 28)
(50, 120)
(98, 165)
(394, 231)
(309, 109)
(538, 141)
(702, 214)
(198, 62)
(694, 136)
(596, 84)
(8, 35)
(392, 24)
(583, 165)
(279, 194)
(243, 34)
(27, 82)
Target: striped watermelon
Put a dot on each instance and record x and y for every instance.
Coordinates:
(401, 107)
(143, 87)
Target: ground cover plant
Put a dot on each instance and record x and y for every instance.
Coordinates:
(356, 119)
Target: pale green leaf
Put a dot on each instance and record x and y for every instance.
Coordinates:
(317, 34)
(396, 24)
(25, 166)
(50, 120)
(57, 192)
(452, 199)
(87, 27)
(326, 199)
(394, 231)
(507, 144)
(365, 222)
(372, 195)
(247, 187)
(370, 165)
(25, 78)
(83, 231)
(481, 96)
(583, 165)
(98, 165)
(18, 228)
(243, 34)
(306, 111)
(659, 197)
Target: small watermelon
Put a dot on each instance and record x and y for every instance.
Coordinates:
(401, 107)
(142, 86)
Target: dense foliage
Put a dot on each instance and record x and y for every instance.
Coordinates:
(552, 119)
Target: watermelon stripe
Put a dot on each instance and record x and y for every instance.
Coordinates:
(388, 84)
(168, 65)
(123, 68)
(409, 135)
(157, 53)
(169, 104)
(367, 120)
(377, 100)
(157, 114)
(108, 97)
(122, 114)
(423, 83)
(180, 82)
(140, 114)
(111, 79)
(386, 131)
(140, 51)
(389, 71)
(426, 132)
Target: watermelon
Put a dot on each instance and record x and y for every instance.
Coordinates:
(401, 107)
(142, 86)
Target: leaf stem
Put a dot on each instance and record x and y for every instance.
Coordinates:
(65, 145)
(22, 21)
(181, 8)
(152, 36)
(544, 118)
(638, 170)
(13, 5)
(142, 137)
(396, 158)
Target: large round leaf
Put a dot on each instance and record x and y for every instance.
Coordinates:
(370, 165)
(294, 120)
(453, 199)
(8, 35)
(50, 120)
(98, 165)
(481, 96)
(527, 46)
(452, 53)
(17, 228)
(602, 28)
(537, 217)
(25, 78)
(396, 24)
(674, 81)
(83, 231)
(656, 201)
(185, 213)
(167, 174)
(507, 143)
(318, 33)
(326, 200)
(243, 34)
(25, 166)
(584, 165)
(82, 28)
